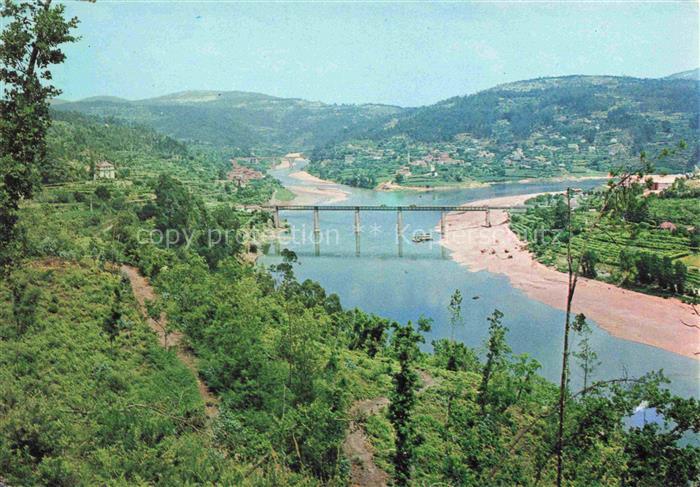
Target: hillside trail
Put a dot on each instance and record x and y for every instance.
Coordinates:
(143, 292)
(357, 448)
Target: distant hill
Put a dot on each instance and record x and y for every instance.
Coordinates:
(586, 122)
(560, 126)
(239, 119)
(513, 111)
(693, 74)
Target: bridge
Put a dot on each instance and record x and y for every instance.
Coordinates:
(442, 209)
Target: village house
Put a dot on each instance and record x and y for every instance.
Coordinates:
(484, 154)
(404, 171)
(104, 170)
(658, 182)
(418, 163)
(667, 226)
(242, 175)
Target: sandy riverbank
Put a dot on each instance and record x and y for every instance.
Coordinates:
(283, 164)
(560, 179)
(315, 190)
(391, 186)
(626, 314)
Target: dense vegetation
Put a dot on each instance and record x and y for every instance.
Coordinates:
(650, 242)
(568, 126)
(89, 397)
(239, 120)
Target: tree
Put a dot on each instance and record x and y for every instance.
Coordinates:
(629, 201)
(647, 268)
(177, 211)
(455, 309)
(587, 357)
(561, 215)
(627, 263)
(613, 201)
(456, 320)
(25, 298)
(695, 239)
(112, 322)
(103, 193)
(29, 45)
(497, 349)
(403, 397)
(366, 332)
(680, 271)
(665, 276)
(589, 259)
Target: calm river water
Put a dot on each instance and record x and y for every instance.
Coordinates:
(418, 279)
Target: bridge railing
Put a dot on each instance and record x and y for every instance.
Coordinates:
(381, 208)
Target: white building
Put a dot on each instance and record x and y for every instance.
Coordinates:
(105, 170)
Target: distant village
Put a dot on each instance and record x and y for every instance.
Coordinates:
(242, 172)
(545, 153)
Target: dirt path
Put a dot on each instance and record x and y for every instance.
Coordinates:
(143, 291)
(357, 448)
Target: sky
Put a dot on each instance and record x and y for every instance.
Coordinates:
(408, 53)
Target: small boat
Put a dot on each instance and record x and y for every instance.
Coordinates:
(422, 237)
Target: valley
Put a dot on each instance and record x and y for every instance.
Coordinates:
(225, 287)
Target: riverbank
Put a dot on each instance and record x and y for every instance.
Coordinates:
(626, 314)
(391, 186)
(558, 179)
(315, 190)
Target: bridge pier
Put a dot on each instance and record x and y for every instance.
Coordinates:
(276, 217)
(399, 222)
(488, 217)
(399, 230)
(317, 223)
(357, 220)
(442, 223)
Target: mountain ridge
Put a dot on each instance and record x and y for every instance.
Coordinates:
(692, 74)
(260, 122)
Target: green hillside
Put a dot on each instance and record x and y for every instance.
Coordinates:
(83, 404)
(76, 143)
(545, 127)
(239, 119)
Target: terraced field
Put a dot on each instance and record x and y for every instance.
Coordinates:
(612, 237)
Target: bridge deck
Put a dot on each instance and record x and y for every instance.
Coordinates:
(385, 208)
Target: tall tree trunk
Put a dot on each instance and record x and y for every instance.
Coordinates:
(565, 354)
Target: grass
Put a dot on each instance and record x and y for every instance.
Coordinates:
(283, 194)
(692, 260)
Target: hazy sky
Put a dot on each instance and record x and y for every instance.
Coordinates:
(399, 53)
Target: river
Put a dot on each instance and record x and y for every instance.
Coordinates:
(418, 279)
